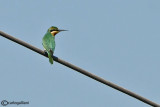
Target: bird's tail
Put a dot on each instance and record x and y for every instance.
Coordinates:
(50, 56)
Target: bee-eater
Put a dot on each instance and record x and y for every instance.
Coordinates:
(48, 41)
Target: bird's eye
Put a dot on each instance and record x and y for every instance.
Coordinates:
(51, 30)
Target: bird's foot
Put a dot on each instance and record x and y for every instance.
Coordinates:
(45, 52)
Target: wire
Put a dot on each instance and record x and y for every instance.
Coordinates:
(80, 70)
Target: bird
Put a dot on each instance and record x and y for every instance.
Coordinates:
(48, 41)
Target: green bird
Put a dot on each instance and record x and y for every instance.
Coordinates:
(48, 41)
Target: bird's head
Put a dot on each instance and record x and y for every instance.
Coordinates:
(54, 30)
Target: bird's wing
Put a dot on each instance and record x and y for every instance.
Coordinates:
(48, 42)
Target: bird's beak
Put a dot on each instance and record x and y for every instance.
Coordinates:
(62, 30)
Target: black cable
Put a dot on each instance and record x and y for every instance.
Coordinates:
(81, 70)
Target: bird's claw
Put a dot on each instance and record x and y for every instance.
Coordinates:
(45, 51)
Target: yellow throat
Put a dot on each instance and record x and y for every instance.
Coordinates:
(54, 33)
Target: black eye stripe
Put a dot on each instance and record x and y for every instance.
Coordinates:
(53, 30)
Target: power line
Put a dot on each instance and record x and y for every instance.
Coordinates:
(80, 70)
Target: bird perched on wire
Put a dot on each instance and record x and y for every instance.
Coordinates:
(48, 41)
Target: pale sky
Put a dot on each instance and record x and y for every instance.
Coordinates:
(117, 40)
